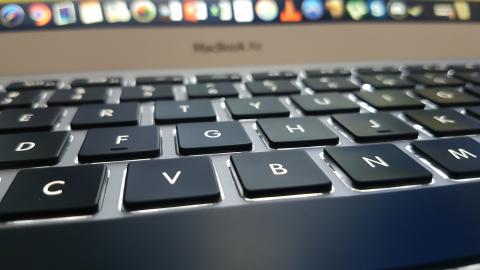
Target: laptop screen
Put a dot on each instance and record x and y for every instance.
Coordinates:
(29, 15)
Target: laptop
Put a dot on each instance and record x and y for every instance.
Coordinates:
(240, 134)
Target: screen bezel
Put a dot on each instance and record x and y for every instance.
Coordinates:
(85, 50)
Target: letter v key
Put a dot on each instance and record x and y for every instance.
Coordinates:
(170, 179)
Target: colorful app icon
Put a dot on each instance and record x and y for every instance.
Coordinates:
(463, 10)
(290, 12)
(190, 10)
(243, 11)
(336, 8)
(357, 9)
(116, 11)
(90, 12)
(214, 10)
(267, 10)
(397, 10)
(176, 13)
(415, 11)
(201, 10)
(378, 8)
(226, 13)
(12, 15)
(40, 13)
(64, 13)
(444, 10)
(143, 11)
(312, 9)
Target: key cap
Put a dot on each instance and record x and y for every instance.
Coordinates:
(97, 82)
(474, 111)
(278, 87)
(14, 99)
(167, 112)
(464, 67)
(282, 75)
(146, 93)
(211, 90)
(474, 90)
(386, 81)
(458, 157)
(79, 96)
(54, 192)
(32, 85)
(473, 77)
(330, 84)
(212, 137)
(426, 69)
(374, 127)
(170, 182)
(27, 120)
(122, 143)
(256, 108)
(89, 116)
(378, 70)
(278, 173)
(447, 97)
(341, 72)
(324, 104)
(379, 165)
(32, 149)
(155, 80)
(390, 100)
(212, 78)
(445, 122)
(296, 132)
(435, 79)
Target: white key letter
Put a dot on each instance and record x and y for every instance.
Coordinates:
(184, 108)
(24, 146)
(256, 105)
(106, 113)
(47, 191)
(25, 117)
(278, 169)
(443, 119)
(170, 179)
(122, 138)
(292, 129)
(212, 134)
(378, 160)
(461, 153)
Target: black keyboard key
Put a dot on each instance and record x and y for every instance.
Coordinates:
(374, 127)
(458, 157)
(79, 96)
(378, 70)
(211, 90)
(474, 90)
(212, 137)
(474, 111)
(167, 112)
(329, 72)
(296, 132)
(464, 67)
(330, 84)
(445, 97)
(278, 87)
(386, 81)
(473, 77)
(155, 80)
(390, 100)
(230, 77)
(170, 182)
(146, 93)
(435, 79)
(120, 143)
(445, 122)
(14, 99)
(97, 82)
(256, 108)
(324, 104)
(429, 68)
(32, 85)
(32, 149)
(376, 166)
(89, 116)
(53, 192)
(282, 75)
(277, 173)
(26, 120)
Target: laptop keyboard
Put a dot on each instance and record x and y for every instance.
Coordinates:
(103, 147)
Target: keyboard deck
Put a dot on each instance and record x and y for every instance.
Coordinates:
(110, 145)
